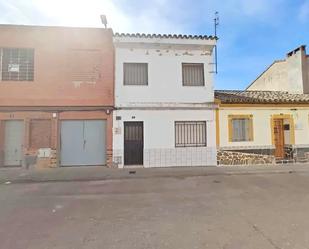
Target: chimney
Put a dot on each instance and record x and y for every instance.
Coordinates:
(297, 69)
(305, 69)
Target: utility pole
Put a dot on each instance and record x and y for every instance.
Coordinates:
(216, 23)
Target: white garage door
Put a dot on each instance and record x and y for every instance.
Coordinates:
(13, 142)
(83, 142)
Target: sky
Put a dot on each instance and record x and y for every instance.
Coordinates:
(252, 33)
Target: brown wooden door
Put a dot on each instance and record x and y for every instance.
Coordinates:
(279, 138)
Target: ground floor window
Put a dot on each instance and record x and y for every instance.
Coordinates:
(190, 133)
(240, 128)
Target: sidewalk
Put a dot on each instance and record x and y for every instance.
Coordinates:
(92, 173)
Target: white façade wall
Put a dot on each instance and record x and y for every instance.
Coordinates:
(159, 137)
(262, 125)
(164, 76)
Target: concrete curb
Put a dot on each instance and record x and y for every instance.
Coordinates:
(102, 173)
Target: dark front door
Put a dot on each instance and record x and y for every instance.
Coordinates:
(133, 143)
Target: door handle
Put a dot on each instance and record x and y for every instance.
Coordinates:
(84, 145)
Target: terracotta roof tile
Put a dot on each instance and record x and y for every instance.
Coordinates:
(260, 97)
(168, 36)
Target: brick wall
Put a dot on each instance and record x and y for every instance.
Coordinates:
(40, 133)
(72, 66)
(1, 142)
(50, 124)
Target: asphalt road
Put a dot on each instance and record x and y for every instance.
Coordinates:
(226, 212)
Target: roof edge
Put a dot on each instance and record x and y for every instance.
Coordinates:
(165, 36)
(50, 26)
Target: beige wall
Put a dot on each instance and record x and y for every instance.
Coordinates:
(308, 66)
(274, 78)
(285, 75)
(306, 75)
(262, 124)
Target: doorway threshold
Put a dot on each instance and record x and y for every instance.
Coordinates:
(133, 166)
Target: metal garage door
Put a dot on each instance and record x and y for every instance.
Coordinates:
(13, 142)
(83, 142)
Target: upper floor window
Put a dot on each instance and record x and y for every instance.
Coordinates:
(17, 64)
(190, 133)
(135, 73)
(85, 65)
(240, 128)
(193, 74)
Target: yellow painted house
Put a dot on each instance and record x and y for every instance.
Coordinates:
(269, 121)
(261, 126)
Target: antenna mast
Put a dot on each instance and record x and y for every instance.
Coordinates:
(216, 23)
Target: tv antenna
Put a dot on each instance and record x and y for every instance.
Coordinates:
(216, 24)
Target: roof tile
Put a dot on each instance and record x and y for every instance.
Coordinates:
(168, 36)
(260, 97)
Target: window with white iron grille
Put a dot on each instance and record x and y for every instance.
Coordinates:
(193, 74)
(135, 73)
(190, 134)
(17, 64)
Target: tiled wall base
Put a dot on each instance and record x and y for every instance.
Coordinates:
(175, 157)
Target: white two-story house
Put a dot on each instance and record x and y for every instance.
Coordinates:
(164, 100)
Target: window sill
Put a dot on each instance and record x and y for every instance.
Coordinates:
(199, 146)
(194, 86)
(15, 81)
(246, 141)
(135, 85)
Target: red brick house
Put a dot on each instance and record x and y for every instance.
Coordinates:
(56, 95)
